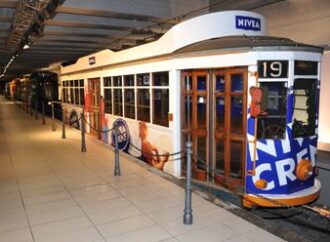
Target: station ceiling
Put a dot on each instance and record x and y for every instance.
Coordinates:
(60, 31)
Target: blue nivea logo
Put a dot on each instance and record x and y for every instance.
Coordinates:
(248, 23)
(123, 136)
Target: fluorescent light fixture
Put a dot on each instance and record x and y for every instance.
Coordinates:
(25, 47)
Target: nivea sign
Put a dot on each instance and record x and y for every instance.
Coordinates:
(248, 23)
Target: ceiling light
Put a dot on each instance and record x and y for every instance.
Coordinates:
(26, 46)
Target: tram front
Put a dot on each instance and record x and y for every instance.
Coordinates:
(282, 129)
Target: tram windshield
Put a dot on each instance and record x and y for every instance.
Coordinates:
(304, 111)
(271, 125)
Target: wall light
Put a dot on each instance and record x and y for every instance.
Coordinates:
(26, 46)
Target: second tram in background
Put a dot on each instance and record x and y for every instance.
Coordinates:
(253, 105)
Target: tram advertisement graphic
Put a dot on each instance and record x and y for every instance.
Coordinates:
(123, 136)
(277, 159)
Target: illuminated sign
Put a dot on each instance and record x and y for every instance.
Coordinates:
(248, 23)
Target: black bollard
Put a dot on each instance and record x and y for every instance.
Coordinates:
(36, 109)
(31, 111)
(188, 217)
(43, 113)
(63, 123)
(83, 143)
(117, 165)
(187, 212)
(53, 117)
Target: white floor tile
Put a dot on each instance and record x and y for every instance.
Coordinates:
(125, 225)
(20, 235)
(47, 230)
(150, 234)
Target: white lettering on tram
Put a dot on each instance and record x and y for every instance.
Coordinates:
(283, 173)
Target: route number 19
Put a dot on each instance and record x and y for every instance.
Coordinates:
(273, 69)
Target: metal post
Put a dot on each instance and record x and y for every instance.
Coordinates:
(36, 109)
(27, 106)
(53, 117)
(31, 111)
(83, 143)
(187, 216)
(63, 123)
(43, 113)
(117, 165)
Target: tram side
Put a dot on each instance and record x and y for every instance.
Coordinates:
(252, 113)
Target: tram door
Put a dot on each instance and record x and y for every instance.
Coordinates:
(94, 112)
(217, 126)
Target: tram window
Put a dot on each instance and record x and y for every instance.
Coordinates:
(220, 113)
(160, 106)
(236, 148)
(201, 83)
(143, 79)
(76, 96)
(220, 83)
(129, 97)
(304, 110)
(82, 96)
(81, 82)
(118, 103)
(71, 95)
(220, 155)
(201, 111)
(160, 78)
(107, 81)
(107, 100)
(129, 80)
(236, 114)
(274, 102)
(117, 81)
(188, 83)
(237, 82)
(64, 95)
(76, 83)
(143, 105)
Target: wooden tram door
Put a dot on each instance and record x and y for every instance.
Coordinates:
(218, 101)
(94, 90)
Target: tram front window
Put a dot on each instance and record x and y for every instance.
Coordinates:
(304, 111)
(271, 125)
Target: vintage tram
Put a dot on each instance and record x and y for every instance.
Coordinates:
(253, 104)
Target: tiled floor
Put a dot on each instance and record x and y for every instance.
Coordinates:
(50, 191)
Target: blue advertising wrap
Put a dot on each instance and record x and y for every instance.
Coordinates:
(276, 160)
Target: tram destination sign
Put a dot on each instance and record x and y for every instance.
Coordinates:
(273, 68)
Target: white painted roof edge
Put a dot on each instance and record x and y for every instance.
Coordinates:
(208, 26)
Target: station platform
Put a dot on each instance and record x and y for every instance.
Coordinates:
(51, 191)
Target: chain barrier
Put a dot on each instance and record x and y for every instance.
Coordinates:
(159, 155)
(96, 130)
(74, 121)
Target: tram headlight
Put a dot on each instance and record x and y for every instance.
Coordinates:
(261, 184)
(304, 170)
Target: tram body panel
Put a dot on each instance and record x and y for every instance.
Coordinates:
(275, 159)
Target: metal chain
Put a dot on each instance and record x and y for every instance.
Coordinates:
(96, 130)
(151, 154)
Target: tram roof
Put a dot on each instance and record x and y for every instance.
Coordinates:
(250, 43)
